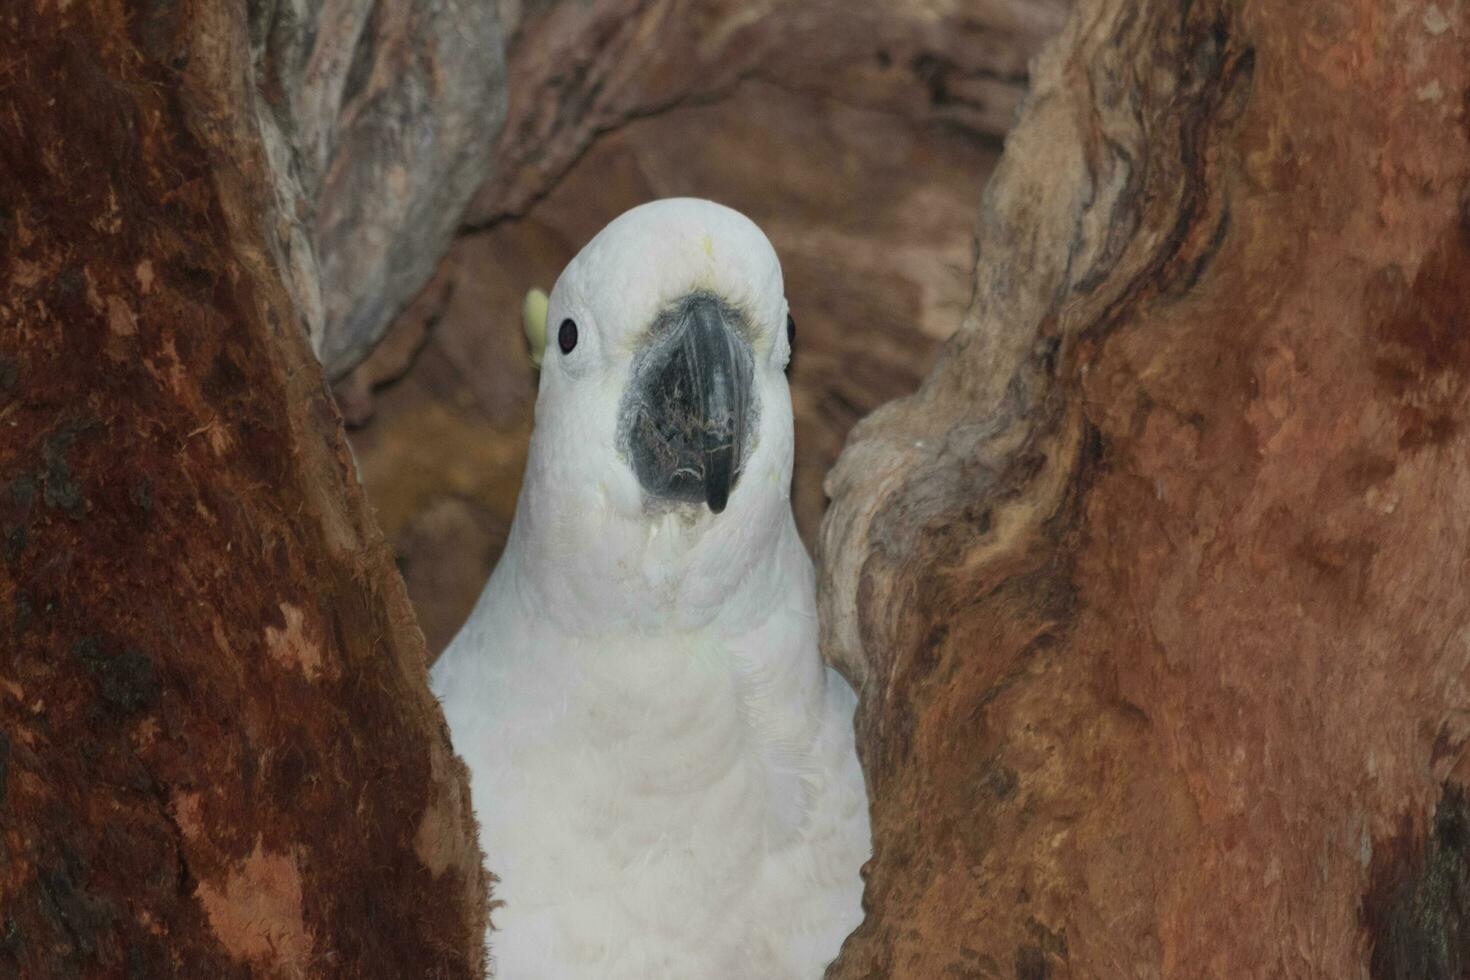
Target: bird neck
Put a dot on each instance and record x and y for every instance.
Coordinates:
(593, 571)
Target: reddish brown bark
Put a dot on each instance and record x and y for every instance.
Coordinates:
(219, 757)
(1156, 591)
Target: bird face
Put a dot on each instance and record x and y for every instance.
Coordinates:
(663, 371)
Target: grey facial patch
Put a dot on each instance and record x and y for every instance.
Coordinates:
(688, 420)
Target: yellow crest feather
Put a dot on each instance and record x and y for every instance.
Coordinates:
(533, 321)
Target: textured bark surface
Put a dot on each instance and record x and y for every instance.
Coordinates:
(1156, 591)
(851, 140)
(218, 753)
(578, 69)
(379, 120)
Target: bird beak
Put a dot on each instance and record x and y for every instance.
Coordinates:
(688, 404)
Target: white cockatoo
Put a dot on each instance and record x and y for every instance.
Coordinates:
(662, 767)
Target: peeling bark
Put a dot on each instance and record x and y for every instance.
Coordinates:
(1155, 592)
(218, 753)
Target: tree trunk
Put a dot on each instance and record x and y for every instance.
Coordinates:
(1156, 591)
(219, 757)
(378, 122)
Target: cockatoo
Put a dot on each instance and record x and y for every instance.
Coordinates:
(662, 766)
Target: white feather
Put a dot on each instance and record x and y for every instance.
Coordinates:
(662, 768)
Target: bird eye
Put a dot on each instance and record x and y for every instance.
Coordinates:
(566, 336)
(790, 330)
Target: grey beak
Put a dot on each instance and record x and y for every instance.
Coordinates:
(688, 405)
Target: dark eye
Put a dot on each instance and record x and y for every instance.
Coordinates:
(790, 331)
(566, 336)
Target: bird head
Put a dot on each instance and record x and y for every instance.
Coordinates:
(662, 380)
(659, 474)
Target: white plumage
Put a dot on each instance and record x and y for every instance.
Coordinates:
(662, 767)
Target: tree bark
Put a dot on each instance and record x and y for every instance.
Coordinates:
(579, 69)
(1156, 591)
(219, 756)
(379, 121)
